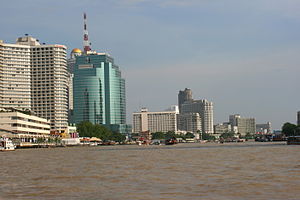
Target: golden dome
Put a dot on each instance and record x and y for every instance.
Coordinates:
(76, 50)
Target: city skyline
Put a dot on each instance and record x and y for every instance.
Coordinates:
(240, 55)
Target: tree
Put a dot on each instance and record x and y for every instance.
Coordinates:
(117, 137)
(227, 135)
(189, 135)
(170, 134)
(158, 135)
(206, 136)
(289, 129)
(87, 129)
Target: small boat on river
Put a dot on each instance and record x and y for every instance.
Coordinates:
(6, 145)
(171, 141)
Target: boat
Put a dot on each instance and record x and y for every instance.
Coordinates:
(6, 145)
(293, 140)
(171, 141)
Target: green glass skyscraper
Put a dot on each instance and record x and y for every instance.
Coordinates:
(99, 92)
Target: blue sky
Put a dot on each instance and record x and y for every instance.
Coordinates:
(242, 55)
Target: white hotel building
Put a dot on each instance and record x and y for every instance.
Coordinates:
(34, 76)
(163, 121)
(15, 83)
(24, 125)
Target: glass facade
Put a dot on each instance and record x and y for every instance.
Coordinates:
(99, 91)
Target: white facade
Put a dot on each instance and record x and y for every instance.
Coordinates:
(34, 77)
(205, 110)
(222, 128)
(49, 84)
(24, 124)
(264, 128)
(246, 126)
(154, 121)
(190, 122)
(15, 76)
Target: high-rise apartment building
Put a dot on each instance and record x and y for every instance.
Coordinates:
(49, 84)
(163, 121)
(205, 110)
(34, 76)
(184, 96)
(99, 91)
(71, 64)
(15, 84)
(190, 122)
(233, 119)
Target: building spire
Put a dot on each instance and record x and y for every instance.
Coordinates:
(86, 42)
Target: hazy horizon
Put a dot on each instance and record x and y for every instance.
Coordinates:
(241, 55)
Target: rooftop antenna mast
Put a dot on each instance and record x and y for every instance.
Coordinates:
(86, 42)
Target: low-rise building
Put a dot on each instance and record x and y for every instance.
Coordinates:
(263, 128)
(162, 121)
(24, 124)
(246, 126)
(222, 128)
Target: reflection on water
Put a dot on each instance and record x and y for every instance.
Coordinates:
(184, 171)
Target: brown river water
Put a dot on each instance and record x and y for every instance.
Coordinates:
(184, 171)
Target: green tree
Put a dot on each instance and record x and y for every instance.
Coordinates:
(158, 135)
(87, 129)
(117, 137)
(206, 136)
(249, 136)
(227, 135)
(170, 134)
(189, 135)
(290, 129)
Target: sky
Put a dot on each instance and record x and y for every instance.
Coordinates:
(242, 55)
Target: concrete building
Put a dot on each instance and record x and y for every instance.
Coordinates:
(233, 119)
(15, 84)
(184, 96)
(298, 118)
(189, 122)
(264, 128)
(244, 125)
(99, 92)
(49, 81)
(222, 128)
(35, 78)
(24, 124)
(71, 64)
(163, 121)
(205, 110)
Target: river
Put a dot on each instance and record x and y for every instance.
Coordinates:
(184, 171)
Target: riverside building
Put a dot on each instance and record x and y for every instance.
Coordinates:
(163, 121)
(34, 77)
(99, 92)
(244, 125)
(205, 110)
(23, 124)
(71, 64)
(184, 96)
(190, 122)
(15, 84)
